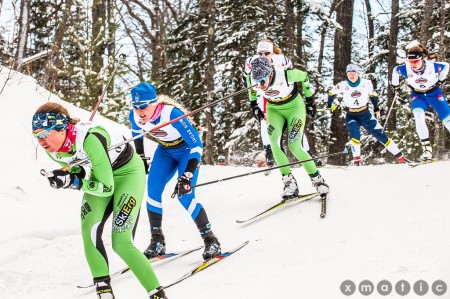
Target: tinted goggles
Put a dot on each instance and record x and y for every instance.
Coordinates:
(44, 133)
(414, 60)
(264, 53)
(141, 105)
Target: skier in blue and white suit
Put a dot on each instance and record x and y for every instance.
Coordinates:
(356, 93)
(425, 78)
(180, 149)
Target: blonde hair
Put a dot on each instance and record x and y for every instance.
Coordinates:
(420, 48)
(276, 49)
(166, 100)
(51, 107)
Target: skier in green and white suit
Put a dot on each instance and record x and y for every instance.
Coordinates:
(286, 107)
(116, 186)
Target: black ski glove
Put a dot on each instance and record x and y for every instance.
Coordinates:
(256, 112)
(64, 179)
(183, 185)
(311, 107)
(395, 89)
(376, 111)
(79, 171)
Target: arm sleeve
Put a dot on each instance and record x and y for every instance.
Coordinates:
(189, 134)
(396, 73)
(101, 182)
(136, 130)
(332, 94)
(442, 69)
(288, 63)
(372, 95)
(296, 75)
(252, 93)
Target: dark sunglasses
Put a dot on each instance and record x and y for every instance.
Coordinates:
(264, 53)
(44, 133)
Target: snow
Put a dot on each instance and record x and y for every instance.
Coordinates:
(384, 222)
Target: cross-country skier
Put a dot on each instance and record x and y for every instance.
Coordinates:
(424, 77)
(115, 186)
(274, 54)
(179, 150)
(356, 93)
(286, 107)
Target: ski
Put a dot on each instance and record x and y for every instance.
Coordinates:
(418, 163)
(163, 257)
(323, 211)
(298, 199)
(206, 264)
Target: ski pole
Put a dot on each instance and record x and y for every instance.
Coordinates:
(390, 109)
(100, 99)
(345, 152)
(78, 162)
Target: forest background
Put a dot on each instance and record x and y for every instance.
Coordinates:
(194, 51)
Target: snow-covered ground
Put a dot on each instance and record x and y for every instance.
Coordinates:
(386, 222)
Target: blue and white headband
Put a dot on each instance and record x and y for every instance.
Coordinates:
(57, 121)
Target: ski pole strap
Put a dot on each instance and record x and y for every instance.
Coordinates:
(345, 152)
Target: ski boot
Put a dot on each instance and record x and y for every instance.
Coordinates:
(103, 289)
(290, 190)
(157, 293)
(427, 151)
(212, 245)
(402, 159)
(269, 156)
(319, 183)
(357, 161)
(157, 245)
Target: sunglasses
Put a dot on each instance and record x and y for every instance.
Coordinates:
(264, 53)
(141, 105)
(44, 133)
(414, 60)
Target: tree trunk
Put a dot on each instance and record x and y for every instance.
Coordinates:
(439, 131)
(209, 83)
(425, 33)
(156, 43)
(111, 44)
(371, 45)
(323, 31)
(342, 57)
(290, 29)
(298, 58)
(94, 83)
(24, 27)
(392, 61)
(55, 60)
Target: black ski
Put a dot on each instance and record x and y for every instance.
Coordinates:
(301, 198)
(163, 257)
(206, 264)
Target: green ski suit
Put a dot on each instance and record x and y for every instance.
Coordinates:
(286, 107)
(116, 186)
